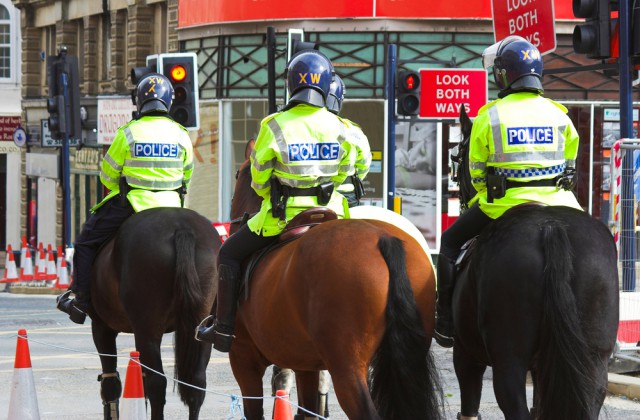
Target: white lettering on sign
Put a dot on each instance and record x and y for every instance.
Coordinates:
(451, 91)
(516, 4)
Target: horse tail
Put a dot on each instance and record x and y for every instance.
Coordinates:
(189, 300)
(564, 389)
(403, 378)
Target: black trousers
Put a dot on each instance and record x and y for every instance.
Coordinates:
(469, 224)
(98, 229)
(240, 245)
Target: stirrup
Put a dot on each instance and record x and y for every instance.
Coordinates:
(203, 330)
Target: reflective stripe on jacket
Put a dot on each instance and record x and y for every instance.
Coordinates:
(524, 137)
(154, 154)
(360, 142)
(302, 147)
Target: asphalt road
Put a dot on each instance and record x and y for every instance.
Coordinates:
(66, 365)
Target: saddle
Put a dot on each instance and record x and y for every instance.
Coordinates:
(294, 229)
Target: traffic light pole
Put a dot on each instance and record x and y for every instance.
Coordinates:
(66, 177)
(627, 233)
(391, 126)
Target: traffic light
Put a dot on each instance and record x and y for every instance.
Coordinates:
(408, 93)
(593, 37)
(63, 70)
(182, 70)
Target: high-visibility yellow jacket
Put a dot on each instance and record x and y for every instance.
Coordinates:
(524, 137)
(154, 154)
(302, 147)
(358, 139)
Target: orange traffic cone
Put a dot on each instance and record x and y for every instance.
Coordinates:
(23, 403)
(60, 257)
(26, 266)
(282, 409)
(10, 269)
(41, 264)
(51, 270)
(132, 406)
(63, 276)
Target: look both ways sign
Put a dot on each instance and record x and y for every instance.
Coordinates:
(443, 91)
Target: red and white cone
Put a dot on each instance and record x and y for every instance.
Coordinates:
(51, 270)
(10, 269)
(24, 402)
(26, 266)
(41, 264)
(63, 276)
(132, 406)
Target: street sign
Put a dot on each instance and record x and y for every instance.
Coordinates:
(533, 20)
(20, 137)
(48, 141)
(443, 91)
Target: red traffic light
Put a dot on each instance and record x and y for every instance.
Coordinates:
(411, 82)
(178, 73)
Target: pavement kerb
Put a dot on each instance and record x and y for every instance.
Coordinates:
(628, 386)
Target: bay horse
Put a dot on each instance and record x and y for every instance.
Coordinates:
(157, 275)
(539, 293)
(354, 297)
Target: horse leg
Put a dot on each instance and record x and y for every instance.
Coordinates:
(352, 391)
(323, 391)
(104, 339)
(469, 374)
(281, 380)
(509, 386)
(155, 384)
(196, 397)
(307, 384)
(248, 367)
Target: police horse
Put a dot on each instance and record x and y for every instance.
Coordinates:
(537, 291)
(156, 276)
(365, 313)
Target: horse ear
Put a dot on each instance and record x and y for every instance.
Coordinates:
(248, 148)
(465, 122)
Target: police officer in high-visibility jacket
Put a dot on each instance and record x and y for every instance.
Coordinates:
(300, 156)
(352, 188)
(149, 164)
(523, 148)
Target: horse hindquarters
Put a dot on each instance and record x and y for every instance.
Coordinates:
(569, 356)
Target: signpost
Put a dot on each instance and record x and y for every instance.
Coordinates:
(533, 20)
(443, 91)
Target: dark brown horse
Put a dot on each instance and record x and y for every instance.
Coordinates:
(538, 293)
(354, 297)
(156, 276)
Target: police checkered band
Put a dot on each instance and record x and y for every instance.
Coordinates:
(530, 172)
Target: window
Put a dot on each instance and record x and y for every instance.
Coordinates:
(5, 43)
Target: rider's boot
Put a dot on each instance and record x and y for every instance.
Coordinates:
(444, 318)
(76, 308)
(221, 332)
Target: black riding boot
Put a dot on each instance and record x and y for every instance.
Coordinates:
(444, 319)
(76, 308)
(221, 332)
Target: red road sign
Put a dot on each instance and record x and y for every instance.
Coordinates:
(531, 19)
(443, 91)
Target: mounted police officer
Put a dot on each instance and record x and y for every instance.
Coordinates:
(523, 148)
(300, 156)
(352, 188)
(149, 164)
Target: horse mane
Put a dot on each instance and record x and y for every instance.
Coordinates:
(245, 199)
(462, 175)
